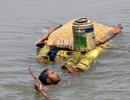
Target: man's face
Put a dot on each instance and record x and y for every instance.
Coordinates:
(52, 75)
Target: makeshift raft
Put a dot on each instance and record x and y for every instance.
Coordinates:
(57, 45)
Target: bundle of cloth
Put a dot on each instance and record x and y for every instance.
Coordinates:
(57, 45)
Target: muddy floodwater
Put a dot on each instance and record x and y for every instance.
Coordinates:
(21, 24)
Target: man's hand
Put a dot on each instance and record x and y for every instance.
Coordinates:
(38, 86)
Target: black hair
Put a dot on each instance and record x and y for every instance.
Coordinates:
(43, 77)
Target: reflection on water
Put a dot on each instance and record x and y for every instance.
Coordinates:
(21, 20)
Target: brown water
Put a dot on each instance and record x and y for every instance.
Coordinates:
(20, 24)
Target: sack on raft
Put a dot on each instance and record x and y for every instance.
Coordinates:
(61, 55)
(48, 54)
(42, 56)
(84, 62)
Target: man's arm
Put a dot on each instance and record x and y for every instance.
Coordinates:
(38, 86)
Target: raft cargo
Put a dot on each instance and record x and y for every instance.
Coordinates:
(59, 43)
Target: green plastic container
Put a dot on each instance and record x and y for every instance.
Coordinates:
(83, 33)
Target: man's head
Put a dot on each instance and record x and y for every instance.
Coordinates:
(49, 77)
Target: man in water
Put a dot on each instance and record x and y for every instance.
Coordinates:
(49, 77)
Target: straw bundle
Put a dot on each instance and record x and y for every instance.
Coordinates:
(101, 30)
(63, 36)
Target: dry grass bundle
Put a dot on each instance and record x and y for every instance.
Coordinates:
(64, 33)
